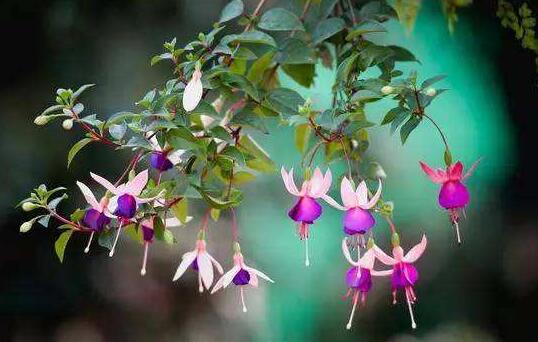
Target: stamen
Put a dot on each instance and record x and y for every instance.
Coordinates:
(143, 270)
(200, 286)
(413, 324)
(87, 249)
(355, 299)
(307, 258)
(394, 301)
(243, 299)
(457, 227)
(111, 254)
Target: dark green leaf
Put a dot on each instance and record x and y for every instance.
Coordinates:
(76, 148)
(285, 101)
(61, 243)
(430, 81)
(301, 73)
(280, 19)
(295, 51)
(408, 127)
(327, 28)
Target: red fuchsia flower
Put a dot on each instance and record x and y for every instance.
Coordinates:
(147, 235)
(126, 199)
(359, 276)
(97, 216)
(193, 91)
(240, 275)
(202, 262)
(358, 218)
(306, 210)
(404, 274)
(163, 160)
(453, 195)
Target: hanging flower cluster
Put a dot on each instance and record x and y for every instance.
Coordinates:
(191, 142)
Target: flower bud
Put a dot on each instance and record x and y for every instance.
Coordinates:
(67, 124)
(431, 92)
(26, 226)
(41, 120)
(386, 90)
(28, 206)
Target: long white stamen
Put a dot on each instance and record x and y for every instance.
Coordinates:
(413, 324)
(355, 299)
(200, 286)
(111, 254)
(87, 249)
(307, 258)
(457, 227)
(143, 270)
(243, 299)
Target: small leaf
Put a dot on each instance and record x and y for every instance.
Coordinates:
(76, 148)
(80, 90)
(280, 19)
(232, 10)
(61, 243)
(408, 127)
(430, 81)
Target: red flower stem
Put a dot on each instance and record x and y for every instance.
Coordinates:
(235, 227)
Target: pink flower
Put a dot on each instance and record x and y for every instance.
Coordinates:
(98, 216)
(126, 199)
(453, 195)
(359, 276)
(199, 260)
(358, 219)
(404, 274)
(193, 91)
(306, 210)
(240, 275)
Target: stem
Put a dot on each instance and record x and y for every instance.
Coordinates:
(95, 135)
(353, 19)
(75, 226)
(439, 130)
(130, 166)
(347, 159)
(391, 225)
(235, 227)
(255, 14)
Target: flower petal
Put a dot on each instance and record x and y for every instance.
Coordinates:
(106, 184)
(375, 198)
(455, 172)
(383, 257)
(205, 268)
(368, 259)
(175, 157)
(193, 92)
(362, 194)
(347, 254)
(289, 182)
(258, 273)
(471, 169)
(216, 264)
(253, 280)
(186, 261)
(135, 186)
(112, 204)
(332, 202)
(348, 195)
(381, 273)
(415, 252)
(229, 276)
(435, 176)
(316, 183)
(154, 142)
(88, 195)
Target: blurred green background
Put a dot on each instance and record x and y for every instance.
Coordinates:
(482, 291)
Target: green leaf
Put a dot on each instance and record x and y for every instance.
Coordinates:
(52, 109)
(181, 210)
(262, 161)
(232, 10)
(326, 7)
(408, 127)
(255, 73)
(377, 10)
(301, 73)
(430, 81)
(295, 51)
(80, 90)
(364, 28)
(218, 203)
(215, 214)
(398, 120)
(285, 101)
(242, 83)
(106, 239)
(254, 36)
(392, 114)
(344, 69)
(76, 148)
(302, 136)
(61, 243)
(234, 153)
(327, 28)
(402, 54)
(280, 19)
(248, 117)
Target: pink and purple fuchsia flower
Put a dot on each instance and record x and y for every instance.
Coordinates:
(163, 159)
(359, 276)
(97, 217)
(404, 274)
(453, 195)
(147, 235)
(306, 210)
(126, 199)
(240, 275)
(358, 219)
(202, 262)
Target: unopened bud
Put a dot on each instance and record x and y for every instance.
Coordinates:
(41, 120)
(387, 90)
(67, 124)
(28, 206)
(431, 92)
(26, 226)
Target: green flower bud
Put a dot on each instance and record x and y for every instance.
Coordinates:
(26, 226)
(41, 120)
(386, 90)
(28, 206)
(67, 124)
(431, 92)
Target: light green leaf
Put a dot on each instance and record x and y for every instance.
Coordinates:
(181, 210)
(302, 136)
(255, 73)
(61, 243)
(301, 73)
(232, 10)
(76, 148)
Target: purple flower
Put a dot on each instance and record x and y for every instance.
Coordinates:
(404, 274)
(163, 159)
(147, 234)
(306, 210)
(240, 275)
(95, 220)
(358, 219)
(453, 195)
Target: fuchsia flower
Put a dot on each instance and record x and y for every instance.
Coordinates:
(404, 274)
(453, 195)
(359, 276)
(240, 275)
(126, 199)
(193, 91)
(307, 209)
(199, 260)
(358, 219)
(147, 235)
(163, 160)
(98, 216)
